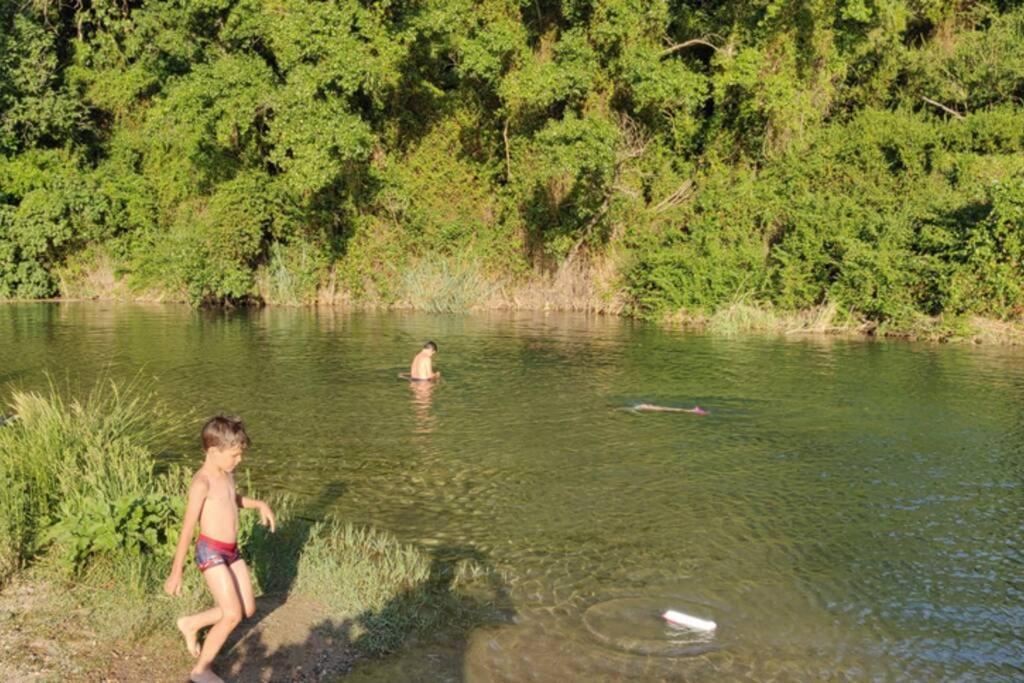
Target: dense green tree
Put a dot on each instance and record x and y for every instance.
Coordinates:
(865, 153)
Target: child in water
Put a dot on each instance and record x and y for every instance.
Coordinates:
(422, 368)
(651, 408)
(213, 502)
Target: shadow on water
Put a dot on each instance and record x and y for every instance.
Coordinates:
(293, 638)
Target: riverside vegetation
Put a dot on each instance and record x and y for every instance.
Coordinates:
(87, 520)
(764, 163)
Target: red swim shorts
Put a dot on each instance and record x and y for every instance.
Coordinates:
(211, 552)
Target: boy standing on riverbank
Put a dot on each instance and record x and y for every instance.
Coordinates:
(422, 368)
(214, 503)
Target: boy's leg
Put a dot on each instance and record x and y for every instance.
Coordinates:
(191, 624)
(244, 582)
(225, 592)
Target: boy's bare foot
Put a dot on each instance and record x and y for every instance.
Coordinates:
(205, 676)
(190, 636)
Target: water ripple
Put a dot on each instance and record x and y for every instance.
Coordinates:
(853, 506)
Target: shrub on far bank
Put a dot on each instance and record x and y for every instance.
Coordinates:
(890, 216)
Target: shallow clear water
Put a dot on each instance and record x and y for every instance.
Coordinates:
(849, 509)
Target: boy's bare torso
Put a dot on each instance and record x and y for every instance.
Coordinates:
(218, 518)
(422, 367)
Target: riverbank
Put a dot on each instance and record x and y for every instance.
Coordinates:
(580, 294)
(49, 633)
(87, 528)
(595, 287)
(742, 318)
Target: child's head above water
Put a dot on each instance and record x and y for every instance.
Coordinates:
(430, 346)
(224, 440)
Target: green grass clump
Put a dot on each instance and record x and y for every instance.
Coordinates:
(741, 317)
(369, 577)
(78, 480)
(82, 505)
(292, 275)
(15, 535)
(358, 569)
(446, 286)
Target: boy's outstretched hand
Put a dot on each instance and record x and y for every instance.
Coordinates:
(267, 517)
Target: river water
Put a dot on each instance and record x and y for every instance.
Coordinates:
(849, 509)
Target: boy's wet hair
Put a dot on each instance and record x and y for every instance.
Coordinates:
(224, 431)
(431, 345)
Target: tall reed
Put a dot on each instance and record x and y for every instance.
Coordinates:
(449, 285)
(61, 455)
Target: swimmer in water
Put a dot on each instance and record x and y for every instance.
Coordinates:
(651, 408)
(422, 366)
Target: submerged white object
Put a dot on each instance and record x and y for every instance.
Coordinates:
(687, 620)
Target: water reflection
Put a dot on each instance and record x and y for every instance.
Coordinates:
(422, 394)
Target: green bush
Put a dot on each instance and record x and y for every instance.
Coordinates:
(790, 153)
(134, 526)
(886, 217)
(84, 462)
(716, 255)
(986, 276)
(56, 209)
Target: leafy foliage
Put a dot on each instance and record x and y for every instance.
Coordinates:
(133, 526)
(77, 477)
(860, 153)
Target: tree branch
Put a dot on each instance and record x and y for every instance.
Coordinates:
(685, 44)
(680, 195)
(508, 157)
(633, 145)
(952, 112)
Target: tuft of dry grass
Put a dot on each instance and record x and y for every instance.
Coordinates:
(741, 317)
(332, 293)
(988, 331)
(974, 329)
(577, 287)
(91, 275)
(745, 318)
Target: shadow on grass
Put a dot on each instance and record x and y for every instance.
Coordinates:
(273, 560)
(297, 637)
